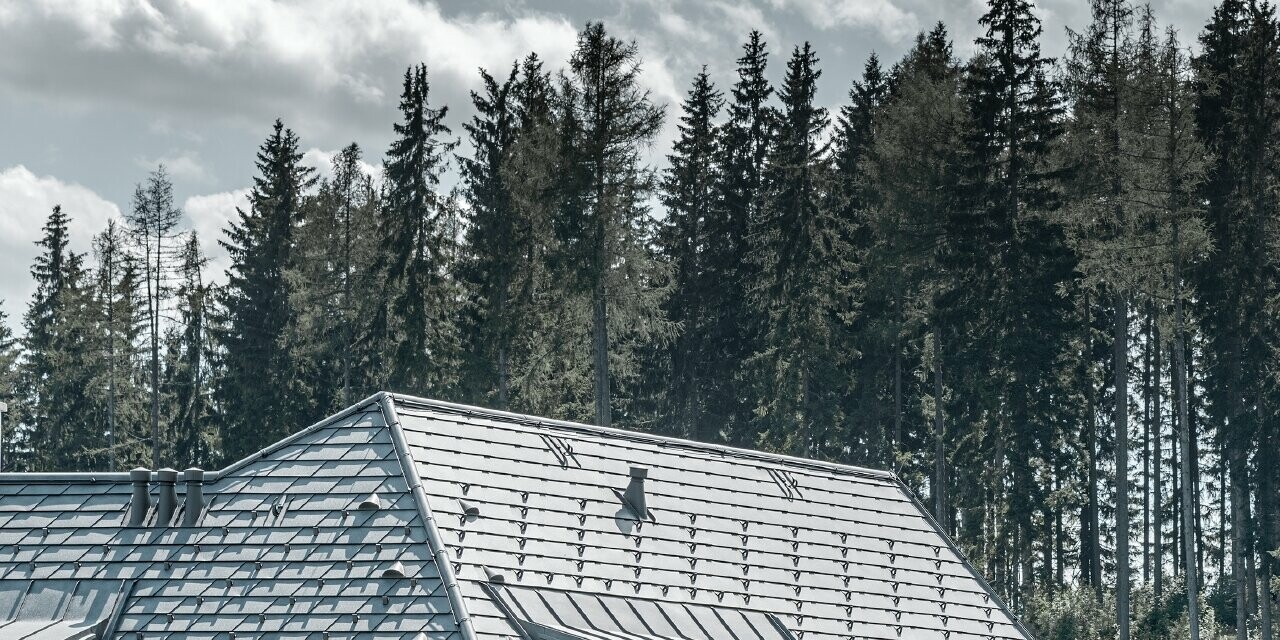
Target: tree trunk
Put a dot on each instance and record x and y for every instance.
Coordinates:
(1147, 431)
(1190, 576)
(600, 352)
(1121, 357)
(1157, 498)
(1094, 573)
(939, 454)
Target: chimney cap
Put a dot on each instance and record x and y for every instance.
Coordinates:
(639, 472)
(140, 475)
(167, 475)
(194, 474)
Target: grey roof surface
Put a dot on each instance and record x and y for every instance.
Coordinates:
(527, 511)
(282, 551)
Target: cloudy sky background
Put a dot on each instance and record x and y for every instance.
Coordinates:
(95, 93)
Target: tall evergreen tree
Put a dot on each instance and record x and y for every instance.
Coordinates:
(1022, 262)
(331, 267)
(606, 229)
(153, 223)
(874, 408)
(416, 329)
(689, 192)
(744, 144)
(56, 372)
(254, 389)
(120, 322)
(496, 242)
(805, 257)
(916, 168)
(187, 376)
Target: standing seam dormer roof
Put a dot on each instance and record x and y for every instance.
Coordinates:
(502, 526)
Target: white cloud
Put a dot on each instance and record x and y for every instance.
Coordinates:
(321, 64)
(322, 162)
(208, 215)
(25, 202)
(893, 22)
(184, 165)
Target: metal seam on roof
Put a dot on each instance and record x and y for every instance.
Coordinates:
(439, 551)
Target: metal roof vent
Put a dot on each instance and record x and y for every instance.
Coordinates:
(634, 496)
(469, 510)
(194, 505)
(396, 570)
(494, 577)
(167, 503)
(371, 502)
(141, 502)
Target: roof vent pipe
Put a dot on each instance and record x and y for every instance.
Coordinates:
(141, 502)
(634, 495)
(167, 503)
(194, 505)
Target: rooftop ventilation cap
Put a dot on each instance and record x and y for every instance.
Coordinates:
(371, 502)
(396, 570)
(141, 502)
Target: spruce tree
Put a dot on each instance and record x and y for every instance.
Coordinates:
(153, 222)
(120, 323)
(689, 192)
(737, 325)
(1016, 256)
(330, 269)
(875, 425)
(190, 413)
(495, 243)
(802, 245)
(255, 391)
(415, 330)
(606, 227)
(58, 358)
(916, 168)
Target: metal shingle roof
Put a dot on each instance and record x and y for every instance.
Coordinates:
(285, 551)
(281, 552)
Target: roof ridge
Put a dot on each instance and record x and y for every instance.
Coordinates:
(639, 436)
(435, 543)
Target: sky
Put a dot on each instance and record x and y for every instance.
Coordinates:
(94, 94)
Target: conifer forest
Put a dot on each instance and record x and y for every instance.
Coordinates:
(1044, 291)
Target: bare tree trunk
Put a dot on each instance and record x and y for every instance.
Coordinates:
(1121, 357)
(939, 454)
(1095, 535)
(1147, 431)
(1158, 496)
(600, 353)
(1190, 576)
(897, 403)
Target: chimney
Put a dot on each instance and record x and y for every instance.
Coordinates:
(634, 495)
(167, 503)
(194, 505)
(141, 502)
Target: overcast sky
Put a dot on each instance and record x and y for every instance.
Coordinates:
(95, 93)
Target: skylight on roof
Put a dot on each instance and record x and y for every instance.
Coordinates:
(551, 614)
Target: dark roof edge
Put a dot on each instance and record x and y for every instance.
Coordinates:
(636, 436)
(439, 551)
(92, 477)
(951, 544)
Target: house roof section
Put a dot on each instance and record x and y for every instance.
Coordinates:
(486, 514)
(832, 551)
(283, 549)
